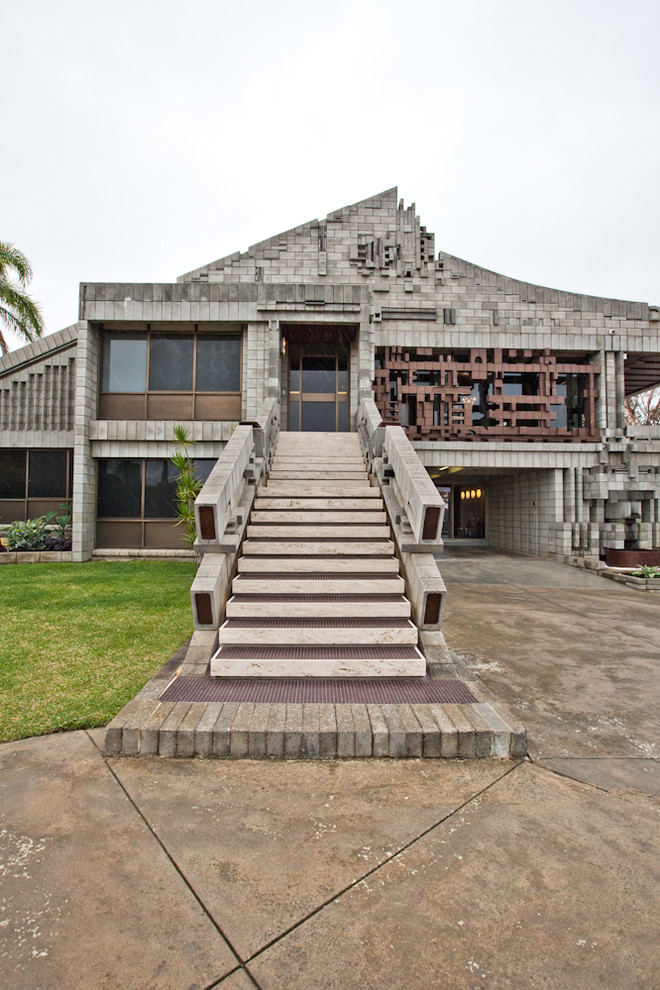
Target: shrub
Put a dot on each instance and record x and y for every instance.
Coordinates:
(188, 486)
(647, 571)
(30, 535)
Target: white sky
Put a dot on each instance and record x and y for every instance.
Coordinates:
(145, 138)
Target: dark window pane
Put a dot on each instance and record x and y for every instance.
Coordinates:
(159, 487)
(318, 375)
(47, 474)
(170, 363)
(203, 467)
(12, 474)
(318, 416)
(124, 363)
(342, 417)
(218, 364)
(120, 489)
(294, 381)
(294, 416)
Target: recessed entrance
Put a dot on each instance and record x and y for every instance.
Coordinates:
(318, 380)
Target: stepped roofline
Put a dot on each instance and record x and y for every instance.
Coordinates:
(387, 197)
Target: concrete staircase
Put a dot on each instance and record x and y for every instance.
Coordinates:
(318, 591)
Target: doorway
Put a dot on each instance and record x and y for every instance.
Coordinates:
(318, 390)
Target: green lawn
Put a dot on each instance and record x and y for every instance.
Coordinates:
(77, 641)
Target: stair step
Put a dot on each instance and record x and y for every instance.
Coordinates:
(337, 548)
(317, 463)
(312, 474)
(316, 632)
(322, 516)
(320, 489)
(282, 532)
(318, 504)
(322, 584)
(318, 564)
(318, 661)
(315, 606)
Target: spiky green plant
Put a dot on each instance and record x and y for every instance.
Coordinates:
(18, 312)
(647, 571)
(188, 486)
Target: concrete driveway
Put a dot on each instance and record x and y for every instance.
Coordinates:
(377, 874)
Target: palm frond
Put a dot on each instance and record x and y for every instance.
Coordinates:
(12, 258)
(26, 318)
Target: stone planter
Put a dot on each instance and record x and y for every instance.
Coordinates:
(36, 557)
(638, 583)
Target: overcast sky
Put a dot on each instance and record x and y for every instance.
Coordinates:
(142, 139)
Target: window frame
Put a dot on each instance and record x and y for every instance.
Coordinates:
(41, 504)
(137, 405)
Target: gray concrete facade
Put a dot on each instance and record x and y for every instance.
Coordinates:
(368, 275)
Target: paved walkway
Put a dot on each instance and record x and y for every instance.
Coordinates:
(363, 874)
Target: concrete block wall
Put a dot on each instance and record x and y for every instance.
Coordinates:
(84, 465)
(37, 392)
(521, 510)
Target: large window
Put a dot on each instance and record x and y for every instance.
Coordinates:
(33, 482)
(135, 502)
(171, 376)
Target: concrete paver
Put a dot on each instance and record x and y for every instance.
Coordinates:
(358, 874)
(89, 899)
(611, 774)
(578, 665)
(264, 845)
(541, 881)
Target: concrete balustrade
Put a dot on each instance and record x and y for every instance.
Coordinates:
(222, 492)
(415, 509)
(222, 509)
(395, 464)
(421, 501)
(426, 589)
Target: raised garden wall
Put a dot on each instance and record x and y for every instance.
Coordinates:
(35, 556)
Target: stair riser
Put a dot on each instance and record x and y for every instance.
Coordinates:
(318, 504)
(318, 668)
(379, 548)
(261, 531)
(236, 609)
(320, 489)
(313, 565)
(324, 516)
(324, 586)
(318, 636)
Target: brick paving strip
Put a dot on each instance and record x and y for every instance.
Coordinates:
(149, 725)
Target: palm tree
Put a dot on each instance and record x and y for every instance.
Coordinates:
(18, 312)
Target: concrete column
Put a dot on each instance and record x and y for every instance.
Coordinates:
(256, 368)
(601, 401)
(84, 467)
(620, 391)
(581, 514)
(274, 346)
(365, 363)
(610, 391)
(569, 495)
